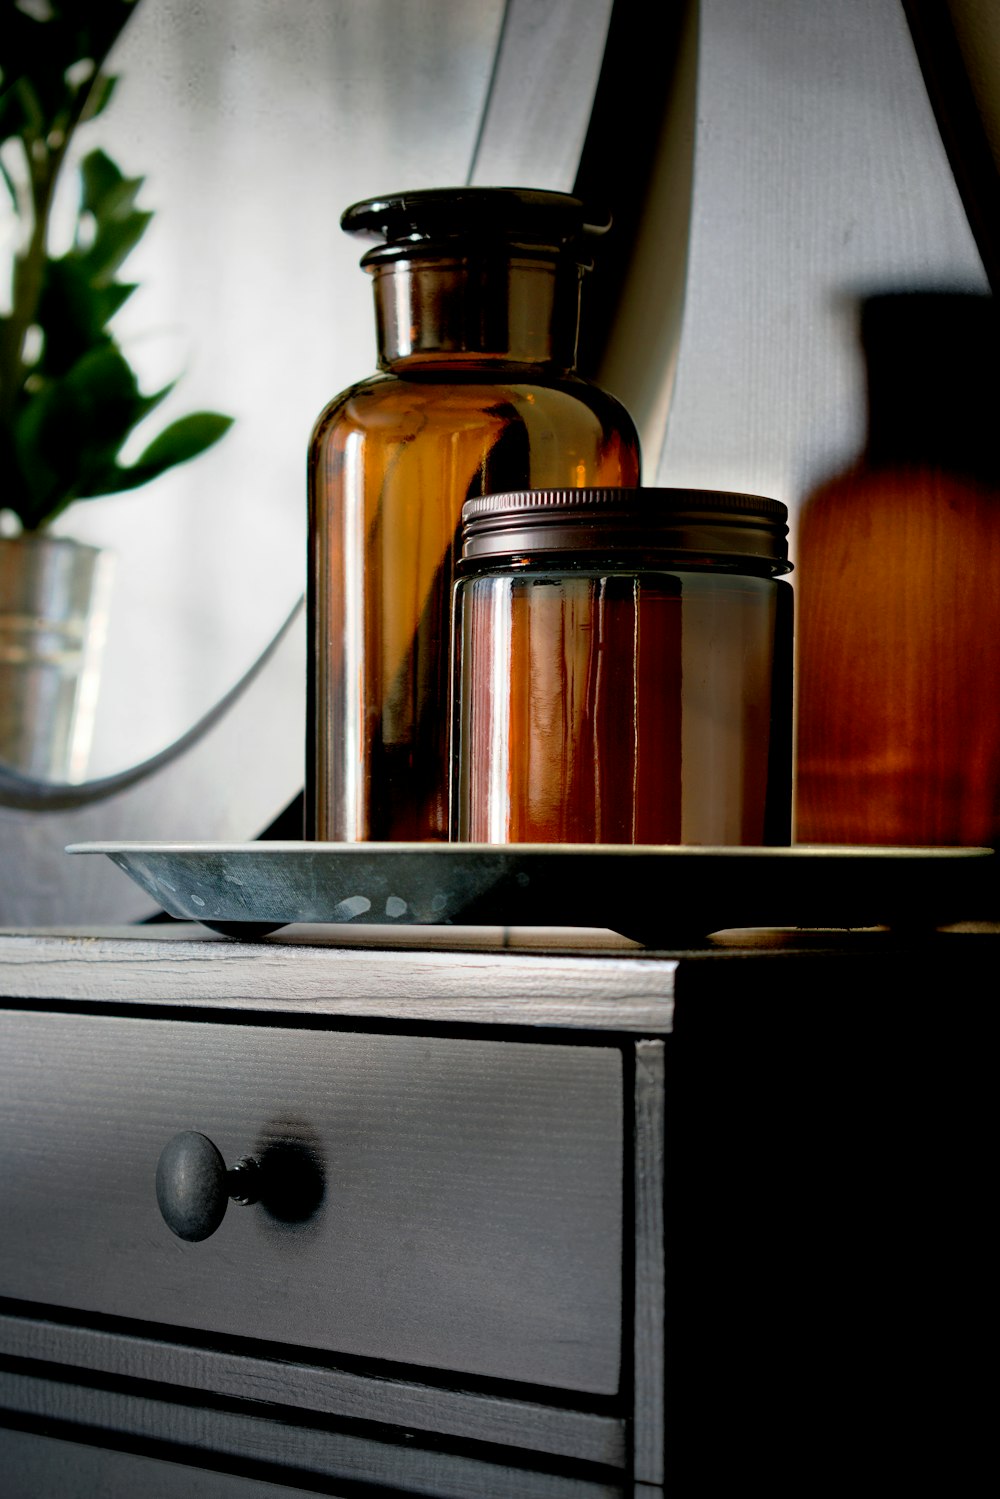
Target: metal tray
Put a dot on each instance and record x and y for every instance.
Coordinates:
(658, 895)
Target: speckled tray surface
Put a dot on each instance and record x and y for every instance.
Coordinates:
(655, 894)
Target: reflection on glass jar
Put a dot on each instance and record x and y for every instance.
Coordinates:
(623, 669)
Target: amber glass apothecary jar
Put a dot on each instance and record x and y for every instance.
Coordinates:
(476, 306)
(623, 668)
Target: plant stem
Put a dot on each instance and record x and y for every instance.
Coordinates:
(29, 267)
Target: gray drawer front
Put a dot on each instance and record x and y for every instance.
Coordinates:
(342, 1456)
(36, 1467)
(472, 1206)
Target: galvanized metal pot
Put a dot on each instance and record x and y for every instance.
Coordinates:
(54, 596)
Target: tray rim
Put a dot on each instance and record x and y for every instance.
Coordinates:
(794, 852)
(623, 887)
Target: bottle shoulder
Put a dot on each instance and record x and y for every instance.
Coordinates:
(364, 390)
(441, 399)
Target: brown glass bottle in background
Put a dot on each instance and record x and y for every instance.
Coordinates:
(898, 601)
(477, 307)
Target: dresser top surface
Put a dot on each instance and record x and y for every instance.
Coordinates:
(453, 975)
(557, 977)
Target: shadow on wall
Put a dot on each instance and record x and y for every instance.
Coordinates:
(899, 592)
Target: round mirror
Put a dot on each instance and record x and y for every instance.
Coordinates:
(252, 126)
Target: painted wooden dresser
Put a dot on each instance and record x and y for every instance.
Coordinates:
(536, 1214)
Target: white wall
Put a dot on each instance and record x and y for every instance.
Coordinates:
(255, 124)
(819, 174)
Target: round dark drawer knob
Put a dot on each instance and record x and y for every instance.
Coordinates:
(194, 1188)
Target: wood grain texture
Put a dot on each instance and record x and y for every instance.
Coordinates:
(472, 1190)
(335, 1454)
(505, 988)
(321, 1390)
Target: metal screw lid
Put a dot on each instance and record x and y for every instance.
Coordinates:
(702, 526)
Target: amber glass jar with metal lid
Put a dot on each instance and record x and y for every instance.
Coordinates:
(623, 664)
(477, 296)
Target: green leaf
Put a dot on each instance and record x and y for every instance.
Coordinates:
(108, 299)
(114, 480)
(99, 97)
(98, 176)
(118, 226)
(27, 107)
(185, 439)
(114, 242)
(12, 121)
(75, 408)
(43, 462)
(178, 443)
(104, 188)
(73, 313)
(103, 388)
(11, 185)
(69, 434)
(150, 402)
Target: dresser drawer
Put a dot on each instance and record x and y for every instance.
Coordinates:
(468, 1193)
(334, 1460)
(35, 1466)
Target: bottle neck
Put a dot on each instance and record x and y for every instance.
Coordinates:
(945, 423)
(476, 311)
(932, 382)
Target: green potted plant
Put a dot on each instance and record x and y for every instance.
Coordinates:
(69, 398)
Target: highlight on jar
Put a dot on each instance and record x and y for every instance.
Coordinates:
(622, 669)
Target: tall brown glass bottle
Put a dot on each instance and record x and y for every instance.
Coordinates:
(476, 306)
(898, 604)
